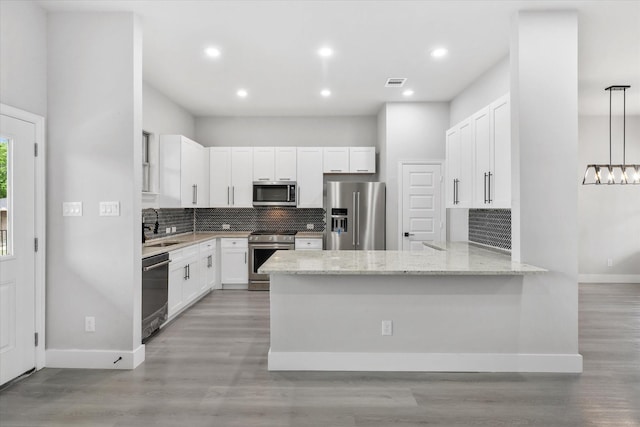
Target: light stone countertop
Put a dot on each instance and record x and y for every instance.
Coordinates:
(188, 239)
(454, 258)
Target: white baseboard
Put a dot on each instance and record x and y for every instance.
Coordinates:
(235, 286)
(424, 362)
(95, 359)
(609, 278)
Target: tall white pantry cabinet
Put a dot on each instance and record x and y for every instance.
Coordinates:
(184, 177)
(479, 159)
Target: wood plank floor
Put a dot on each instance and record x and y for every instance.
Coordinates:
(209, 368)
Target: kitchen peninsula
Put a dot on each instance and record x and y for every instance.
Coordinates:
(452, 307)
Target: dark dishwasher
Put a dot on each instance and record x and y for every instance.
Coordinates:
(155, 291)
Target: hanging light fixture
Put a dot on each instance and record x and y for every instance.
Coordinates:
(610, 173)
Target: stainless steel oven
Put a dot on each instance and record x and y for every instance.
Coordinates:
(263, 244)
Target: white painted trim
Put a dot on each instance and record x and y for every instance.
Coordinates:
(425, 362)
(609, 278)
(40, 225)
(443, 210)
(95, 359)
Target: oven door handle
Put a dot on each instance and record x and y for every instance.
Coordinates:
(158, 265)
(271, 246)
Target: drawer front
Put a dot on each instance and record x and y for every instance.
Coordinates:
(208, 246)
(315, 244)
(234, 243)
(191, 251)
(176, 256)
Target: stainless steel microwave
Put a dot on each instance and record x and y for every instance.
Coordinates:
(274, 193)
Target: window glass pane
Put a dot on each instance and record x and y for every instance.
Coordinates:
(5, 195)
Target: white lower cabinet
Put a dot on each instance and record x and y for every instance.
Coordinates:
(309, 244)
(234, 269)
(191, 275)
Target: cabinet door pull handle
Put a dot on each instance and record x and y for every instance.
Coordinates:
(245, 257)
(362, 170)
(336, 170)
(228, 195)
(284, 179)
(210, 261)
(489, 188)
(484, 187)
(185, 273)
(195, 194)
(263, 179)
(233, 195)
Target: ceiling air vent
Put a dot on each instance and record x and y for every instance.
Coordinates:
(395, 82)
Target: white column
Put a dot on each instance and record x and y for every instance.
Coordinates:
(544, 94)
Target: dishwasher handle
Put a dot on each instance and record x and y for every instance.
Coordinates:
(154, 266)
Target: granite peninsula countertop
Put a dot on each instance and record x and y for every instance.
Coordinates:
(446, 258)
(184, 240)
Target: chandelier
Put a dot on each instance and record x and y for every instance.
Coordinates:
(609, 173)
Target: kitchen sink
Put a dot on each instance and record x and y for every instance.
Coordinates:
(161, 244)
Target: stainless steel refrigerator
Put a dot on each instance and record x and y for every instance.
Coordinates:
(355, 215)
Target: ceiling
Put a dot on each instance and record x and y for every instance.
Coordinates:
(270, 49)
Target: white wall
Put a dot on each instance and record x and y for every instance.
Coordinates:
(161, 115)
(23, 56)
(488, 87)
(609, 214)
(286, 131)
(94, 154)
(544, 97)
(414, 131)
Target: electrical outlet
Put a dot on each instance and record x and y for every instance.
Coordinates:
(173, 229)
(168, 230)
(109, 208)
(226, 226)
(89, 324)
(310, 226)
(609, 262)
(387, 327)
(72, 209)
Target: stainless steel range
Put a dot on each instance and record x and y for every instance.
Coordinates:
(263, 244)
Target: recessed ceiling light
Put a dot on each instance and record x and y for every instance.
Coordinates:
(212, 52)
(439, 52)
(242, 93)
(325, 92)
(407, 92)
(325, 52)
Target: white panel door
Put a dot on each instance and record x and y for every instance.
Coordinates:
(17, 256)
(219, 177)
(421, 205)
(310, 178)
(242, 177)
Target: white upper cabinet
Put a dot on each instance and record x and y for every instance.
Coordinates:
(220, 173)
(459, 184)
(184, 173)
(286, 165)
(309, 177)
(349, 160)
(362, 159)
(274, 164)
(500, 187)
(264, 162)
(231, 176)
(479, 159)
(482, 140)
(241, 177)
(336, 159)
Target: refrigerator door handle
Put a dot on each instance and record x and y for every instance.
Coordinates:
(355, 221)
(358, 214)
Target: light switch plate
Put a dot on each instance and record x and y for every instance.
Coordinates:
(72, 209)
(226, 226)
(109, 208)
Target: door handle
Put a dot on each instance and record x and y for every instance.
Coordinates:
(355, 221)
(358, 212)
(489, 188)
(407, 234)
(154, 266)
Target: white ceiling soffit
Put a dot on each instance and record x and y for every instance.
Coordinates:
(270, 49)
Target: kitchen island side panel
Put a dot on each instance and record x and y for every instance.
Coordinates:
(453, 323)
